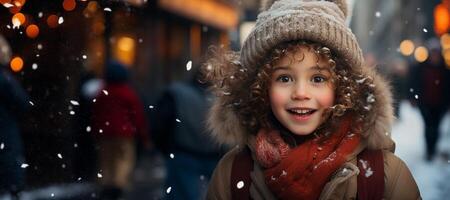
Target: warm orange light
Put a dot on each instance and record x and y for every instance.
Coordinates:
(19, 3)
(421, 54)
(92, 6)
(406, 47)
(16, 64)
(18, 19)
(445, 41)
(5, 1)
(32, 31)
(125, 50)
(441, 19)
(69, 5)
(15, 9)
(52, 21)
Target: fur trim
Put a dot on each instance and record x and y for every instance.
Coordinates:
(381, 117)
(225, 125)
(342, 4)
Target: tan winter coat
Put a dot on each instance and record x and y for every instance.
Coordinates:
(399, 183)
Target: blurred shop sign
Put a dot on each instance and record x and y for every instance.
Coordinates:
(210, 12)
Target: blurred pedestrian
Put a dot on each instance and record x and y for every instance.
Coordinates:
(429, 91)
(311, 120)
(398, 75)
(118, 120)
(180, 133)
(85, 156)
(13, 103)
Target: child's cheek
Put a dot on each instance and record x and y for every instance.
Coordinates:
(276, 98)
(327, 99)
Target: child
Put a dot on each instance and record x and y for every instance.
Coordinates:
(310, 115)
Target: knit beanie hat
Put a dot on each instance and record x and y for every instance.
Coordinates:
(316, 21)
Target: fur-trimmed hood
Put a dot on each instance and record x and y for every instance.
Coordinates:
(227, 128)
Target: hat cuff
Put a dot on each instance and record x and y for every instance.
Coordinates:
(323, 30)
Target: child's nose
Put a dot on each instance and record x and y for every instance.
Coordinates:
(300, 91)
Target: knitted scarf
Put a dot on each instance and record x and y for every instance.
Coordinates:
(302, 172)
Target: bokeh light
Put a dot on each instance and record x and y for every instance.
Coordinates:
(19, 3)
(445, 41)
(125, 50)
(52, 21)
(406, 47)
(421, 54)
(18, 19)
(69, 5)
(16, 64)
(32, 31)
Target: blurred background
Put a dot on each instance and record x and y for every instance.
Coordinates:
(58, 51)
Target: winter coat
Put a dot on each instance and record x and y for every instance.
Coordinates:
(343, 185)
(118, 112)
(430, 84)
(181, 121)
(399, 183)
(13, 102)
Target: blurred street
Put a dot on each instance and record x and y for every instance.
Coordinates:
(92, 91)
(432, 177)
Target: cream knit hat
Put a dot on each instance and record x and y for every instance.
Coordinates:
(311, 20)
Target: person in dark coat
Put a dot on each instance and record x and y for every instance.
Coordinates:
(118, 120)
(180, 133)
(430, 92)
(13, 103)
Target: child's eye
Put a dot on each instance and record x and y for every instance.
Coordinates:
(318, 79)
(283, 78)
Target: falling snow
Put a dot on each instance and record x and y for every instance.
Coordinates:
(88, 129)
(7, 5)
(178, 120)
(34, 66)
(105, 92)
(107, 9)
(99, 175)
(60, 156)
(24, 165)
(168, 190)
(172, 155)
(75, 103)
(60, 20)
(240, 184)
(151, 107)
(31, 103)
(16, 23)
(425, 30)
(377, 14)
(189, 65)
(2, 146)
(416, 96)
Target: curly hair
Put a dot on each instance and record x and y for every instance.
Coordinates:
(229, 81)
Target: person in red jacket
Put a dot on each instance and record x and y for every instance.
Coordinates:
(118, 119)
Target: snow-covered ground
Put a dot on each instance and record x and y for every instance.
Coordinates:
(433, 178)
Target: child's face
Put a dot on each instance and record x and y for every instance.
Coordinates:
(301, 90)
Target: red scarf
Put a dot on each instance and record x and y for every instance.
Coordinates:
(302, 172)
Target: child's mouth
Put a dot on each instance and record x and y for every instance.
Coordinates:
(301, 112)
